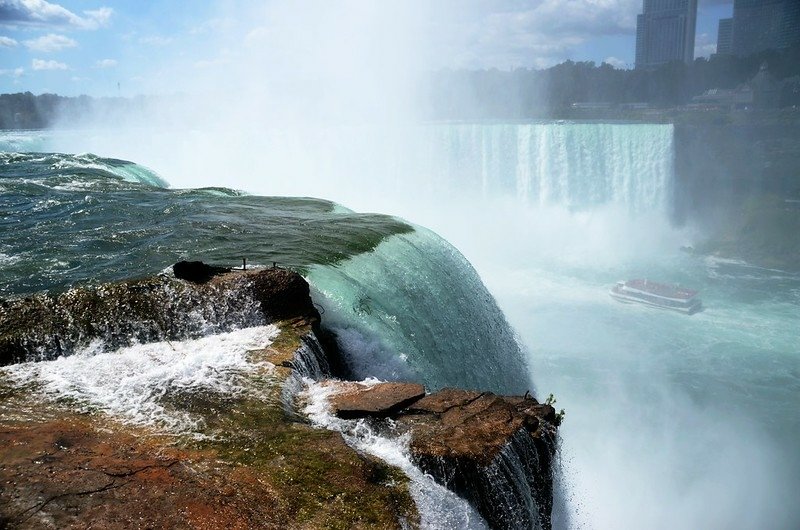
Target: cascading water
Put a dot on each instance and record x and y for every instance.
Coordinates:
(390, 290)
(415, 308)
(574, 165)
(659, 406)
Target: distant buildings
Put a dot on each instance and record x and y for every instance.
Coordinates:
(665, 32)
(725, 36)
(759, 25)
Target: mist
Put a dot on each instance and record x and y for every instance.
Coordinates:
(323, 99)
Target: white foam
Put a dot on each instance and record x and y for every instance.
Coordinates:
(5, 259)
(131, 381)
(439, 508)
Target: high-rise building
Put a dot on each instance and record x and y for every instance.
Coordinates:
(665, 32)
(725, 36)
(760, 25)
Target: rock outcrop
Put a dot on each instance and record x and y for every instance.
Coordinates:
(257, 463)
(151, 309)
(254, 464)
(495, 451)
(378, 401)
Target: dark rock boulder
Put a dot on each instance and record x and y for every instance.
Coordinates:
(282, 294)
(378, 401)
(197, 271)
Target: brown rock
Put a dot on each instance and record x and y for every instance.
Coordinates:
(495, 451)
(464, 425)
(444, 400)
(381, 400)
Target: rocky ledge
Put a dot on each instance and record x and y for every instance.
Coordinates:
(256, 463)
(495, 451)
(196, 300)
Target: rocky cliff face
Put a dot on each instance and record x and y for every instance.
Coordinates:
(495, 451)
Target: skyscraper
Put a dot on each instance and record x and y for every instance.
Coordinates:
(760, 25)
(725, 36)
(665, 32)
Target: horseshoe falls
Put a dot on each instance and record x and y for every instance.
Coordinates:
(671, 421)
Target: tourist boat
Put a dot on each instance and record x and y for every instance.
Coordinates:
(658, 295)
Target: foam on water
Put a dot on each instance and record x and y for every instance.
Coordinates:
(132, 382)
(439, 508)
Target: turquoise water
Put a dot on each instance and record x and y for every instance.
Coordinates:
(672, 421)
(392, 291)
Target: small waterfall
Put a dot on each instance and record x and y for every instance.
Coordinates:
(505, 491)
(310, 363)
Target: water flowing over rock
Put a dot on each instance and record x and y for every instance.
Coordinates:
(251, 463)
(495, 451)
(147, 310)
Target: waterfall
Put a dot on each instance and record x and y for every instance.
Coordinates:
(414, 308)
(574, 165)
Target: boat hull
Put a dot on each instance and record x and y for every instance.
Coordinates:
(688, 309)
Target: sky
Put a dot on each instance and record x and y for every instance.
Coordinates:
(131, 47)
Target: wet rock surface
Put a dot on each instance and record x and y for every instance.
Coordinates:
(147, 310)
(377, 401)
(460, 424)
(256, 465)
(495, 451)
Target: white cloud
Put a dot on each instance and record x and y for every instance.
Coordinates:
(214, 25)
(41, 64)
(50, 43)
(105, 63)
(509, 33)
(705, 45)
(211, 63)
(15, 73)
(42, 14)
(7, 42)
(615, 62)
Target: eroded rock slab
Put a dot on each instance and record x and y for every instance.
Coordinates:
(379, 401)
(462, 424)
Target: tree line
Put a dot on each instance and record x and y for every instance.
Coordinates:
(527, 93)
(493, 94)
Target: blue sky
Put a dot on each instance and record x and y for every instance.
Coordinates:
(128, 47)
